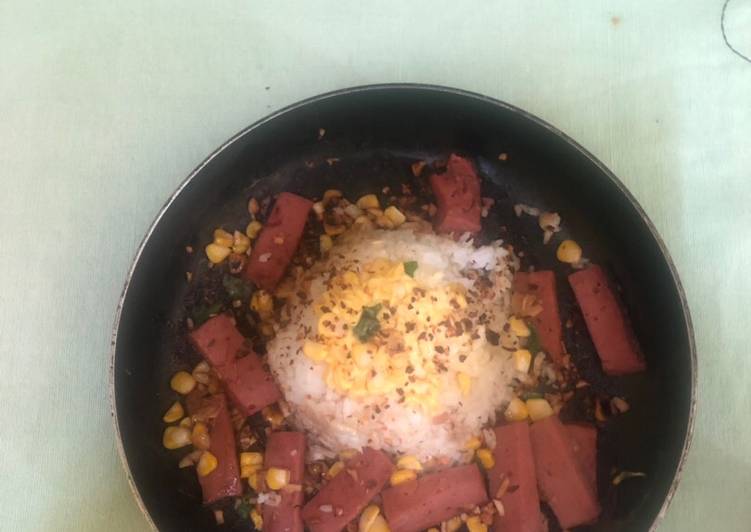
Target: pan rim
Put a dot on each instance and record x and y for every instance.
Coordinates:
(615, 181)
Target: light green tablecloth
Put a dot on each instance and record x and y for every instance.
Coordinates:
(105, 107)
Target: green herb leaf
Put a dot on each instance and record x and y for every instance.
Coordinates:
(243, 508)
(533, 340)
(236, 288)
(202, 313)
(368, 324)
(410, 267)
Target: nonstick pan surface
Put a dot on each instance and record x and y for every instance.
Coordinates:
(361, 140)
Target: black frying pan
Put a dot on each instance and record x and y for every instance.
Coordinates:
(375, 133)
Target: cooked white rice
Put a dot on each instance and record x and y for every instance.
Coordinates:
(334, 421)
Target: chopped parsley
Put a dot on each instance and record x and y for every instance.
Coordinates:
(243, 508)
(202, 313)
(368, 325)
(533, 340)
(236, 288)
(410, 267)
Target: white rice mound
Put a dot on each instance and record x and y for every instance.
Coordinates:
(335, 422)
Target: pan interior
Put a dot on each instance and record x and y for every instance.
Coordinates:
(360, 142)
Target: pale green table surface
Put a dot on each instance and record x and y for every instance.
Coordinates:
(105, 107)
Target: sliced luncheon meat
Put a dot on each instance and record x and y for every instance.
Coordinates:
(457, 194)
(512, 480)
(248, 383)
(219, 341)
(548, 322)
(419, 504)
(345, 495)
(607, 322)
(563, 481)
(286, 450)
(224, 481)
(584, 442)
(278, 240)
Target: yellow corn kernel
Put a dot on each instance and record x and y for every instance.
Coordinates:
(331, 194)
(251, 459)
(453, 524)
(206, 464)
(189, 460)
(384, 222)
(241, 243)
(362, 355)
(465, 383)
(379, 525)
(368, 517)
(247, 470)
(253, 228)
(333, 230)
(342, 379)
(216, 253)
(519, 328)
(474, 524)
(223, 238)
(348, 454)
(335, 469)
(401, 476)
(182, 382)
(522, 360)
(539, 409)
(549, 221)
(409, 462)
(253, 480)
(369, 201)
(599, 414)
(277, 478)
(262, 303)
(253, 206)
(395, 215)
(473, 443)
(200, 436)
(255, 516)
(201, 372)
(174, 413)
(433, 530)
(325, 243)
(516, 410)
(176, 437)
(363, 221)
(186, 422)
(350, 278)
(485, 456)
(569, 252)
(273, 416)
(314, 351)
